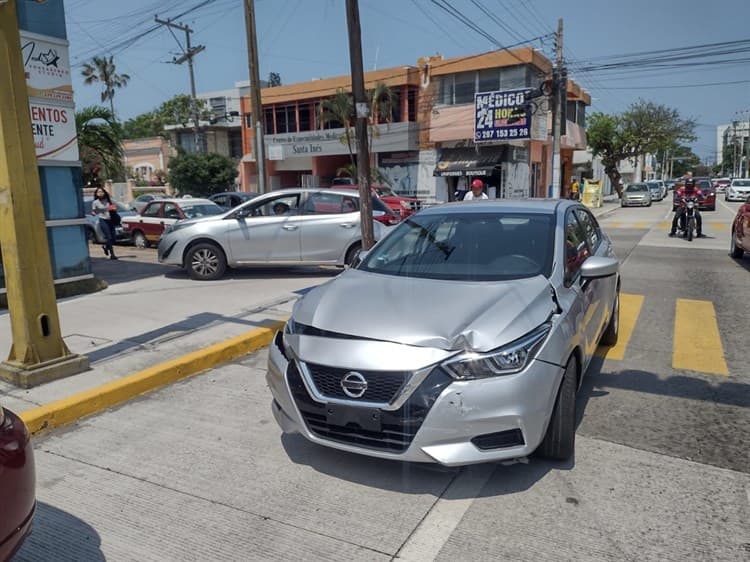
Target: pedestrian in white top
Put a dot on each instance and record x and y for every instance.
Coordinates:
(477, 191)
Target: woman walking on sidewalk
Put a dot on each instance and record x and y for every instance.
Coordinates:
(104, 209)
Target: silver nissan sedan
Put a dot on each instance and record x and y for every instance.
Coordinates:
(460, 338)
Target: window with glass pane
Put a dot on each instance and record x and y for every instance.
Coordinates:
(268, 121)
(69, 251)
(248, 120)
(305, 121)
(489, 80)
(396, 106)
(291, 118)
(235, 144)
(412, 99)
(324, 204)
(186, 141)
(513, 77)
(446, 90)
(465, 87)
(61, 192)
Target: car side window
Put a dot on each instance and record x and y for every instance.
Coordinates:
(282, 205)
(320, 203)
(171, 211)
(220, 200)
(590, 226)
(576, 247)
(152, 210)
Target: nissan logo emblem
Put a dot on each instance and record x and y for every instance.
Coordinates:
(354, 384)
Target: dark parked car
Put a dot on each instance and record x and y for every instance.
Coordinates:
(231, 199)
(94, 232)
(17, 483)
(140, 202)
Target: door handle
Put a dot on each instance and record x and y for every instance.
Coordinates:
(347, 225)
(290, 227)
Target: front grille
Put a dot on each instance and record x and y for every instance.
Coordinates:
(382, 386)
(397, 428)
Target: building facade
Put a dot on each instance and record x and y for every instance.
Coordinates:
(427, 148)
(45, 50)
(148, 158)
(736, 137)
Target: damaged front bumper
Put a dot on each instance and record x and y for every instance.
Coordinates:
(434, 418)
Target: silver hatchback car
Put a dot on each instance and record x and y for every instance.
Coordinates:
(460, 338)
(287, 227)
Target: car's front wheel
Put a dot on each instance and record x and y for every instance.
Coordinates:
(613, 328)
(140, 240)
(206, 262)
(559, 441)
(352, 255)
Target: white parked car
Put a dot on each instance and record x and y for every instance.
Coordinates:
(738, 190)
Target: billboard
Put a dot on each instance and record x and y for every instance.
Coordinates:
(47, 66)
(502, 116)
(54, 131)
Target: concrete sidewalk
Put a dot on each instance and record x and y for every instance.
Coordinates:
(151, 314)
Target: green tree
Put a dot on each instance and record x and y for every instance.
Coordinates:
(102, 69)
(338, 110)
(175, 111)
(274, 79)
(645, 127)
(201, 174)
(100, 145)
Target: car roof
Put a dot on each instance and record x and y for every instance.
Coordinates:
(541, 206)
(186, 202)
(292, 190)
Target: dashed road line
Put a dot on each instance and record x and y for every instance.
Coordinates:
(630, 309)
(697, 343)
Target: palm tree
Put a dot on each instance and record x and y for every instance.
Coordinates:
(102, 69)
(99, 143)
(340, 109)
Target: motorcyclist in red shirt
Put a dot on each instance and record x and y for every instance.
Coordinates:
(687, 190)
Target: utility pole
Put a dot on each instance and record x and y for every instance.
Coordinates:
(256, 104)
(559, 90)
(362, 109)
(38, 353)
(188, 53)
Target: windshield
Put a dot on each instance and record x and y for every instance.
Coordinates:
(201, 210)
(741, 183)
(636, 187)
(467, 247)
(654, 185)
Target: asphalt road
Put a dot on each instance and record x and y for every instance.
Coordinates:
(199, 470)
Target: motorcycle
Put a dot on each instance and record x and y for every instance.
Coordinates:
(688, 220)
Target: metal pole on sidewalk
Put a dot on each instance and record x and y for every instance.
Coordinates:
(256, 105)
(38, 353)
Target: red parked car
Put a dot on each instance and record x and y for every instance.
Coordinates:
(17, 483)
(401, 206)
(146, 229)
(741, 231)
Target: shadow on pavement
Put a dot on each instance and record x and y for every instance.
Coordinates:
(133, 265)
(60, 536)
(263, 272)
(416, 478)
(172, 331)
(744, 263)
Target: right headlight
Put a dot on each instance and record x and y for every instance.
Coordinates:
(506, 360)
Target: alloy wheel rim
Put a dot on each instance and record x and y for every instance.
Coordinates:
(205, 262)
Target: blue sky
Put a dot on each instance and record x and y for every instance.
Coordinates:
(305, 39)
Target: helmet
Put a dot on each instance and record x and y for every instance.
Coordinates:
(690, 183)
(477, 183)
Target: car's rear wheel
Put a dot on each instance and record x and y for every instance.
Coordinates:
(206, 262)
(140, 240)
(613, 328)
(559, 441)
(734, 250)
(353, 254)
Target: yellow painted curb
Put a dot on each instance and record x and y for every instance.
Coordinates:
(67, 410)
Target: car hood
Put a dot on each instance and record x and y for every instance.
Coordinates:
(448, 315)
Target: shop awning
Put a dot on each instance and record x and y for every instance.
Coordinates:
(469, 161)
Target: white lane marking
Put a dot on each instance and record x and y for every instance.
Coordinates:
(435, 529)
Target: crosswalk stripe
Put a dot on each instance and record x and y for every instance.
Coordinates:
(640, 224)
(630, 309)
(718, 225)
(697, 343)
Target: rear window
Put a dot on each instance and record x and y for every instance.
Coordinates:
(636, 187)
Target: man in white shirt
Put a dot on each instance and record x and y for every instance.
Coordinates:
(477, 191)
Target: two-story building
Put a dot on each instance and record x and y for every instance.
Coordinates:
(428, 147)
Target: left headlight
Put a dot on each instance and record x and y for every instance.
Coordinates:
(507, 360)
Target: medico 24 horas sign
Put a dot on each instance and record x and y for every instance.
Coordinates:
(501, 116)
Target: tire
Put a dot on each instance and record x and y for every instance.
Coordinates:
(711, 208)
(205, 262)
(734, 250)
(140, 240)
(690, 227)
(352, 254)
(559, 440)
(648, 205)
(612, 331)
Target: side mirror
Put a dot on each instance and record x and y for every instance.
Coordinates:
(597, 267)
